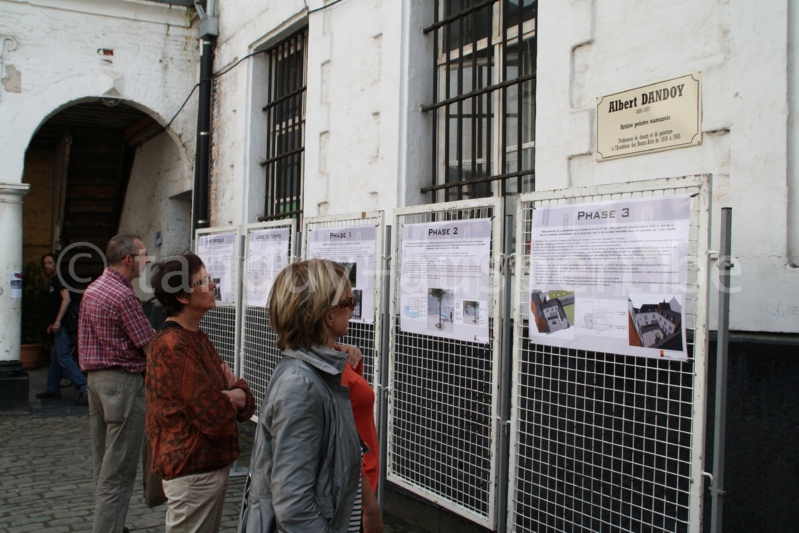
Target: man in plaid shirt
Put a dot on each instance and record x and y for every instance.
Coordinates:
(113, 337)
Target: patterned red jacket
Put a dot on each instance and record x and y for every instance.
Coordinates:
(191, 423)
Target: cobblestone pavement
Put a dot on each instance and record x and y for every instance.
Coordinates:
(46, 471)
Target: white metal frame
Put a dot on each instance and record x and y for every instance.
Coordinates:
(358, 334)
(452, 473)
(586, 496)
(259, 358)
(217, 322)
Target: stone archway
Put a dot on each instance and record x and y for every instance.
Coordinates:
(85, 164)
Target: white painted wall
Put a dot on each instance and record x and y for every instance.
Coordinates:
(238, 143)
(367, 145)
(365, 140)
(153, 67)
(597, 48)
(157, 176)
(50, 59)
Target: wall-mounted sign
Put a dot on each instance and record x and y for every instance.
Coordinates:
(648, 119)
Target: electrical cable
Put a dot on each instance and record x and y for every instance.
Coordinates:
(322, 7)
(234, 65)
(213, 77)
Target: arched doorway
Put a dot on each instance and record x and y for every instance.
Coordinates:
(84, 164)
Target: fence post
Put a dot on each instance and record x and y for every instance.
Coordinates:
(506, 375)
(382, 380)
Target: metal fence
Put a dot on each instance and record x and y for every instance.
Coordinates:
(603, 441)
(596, 441)
(442, 430)
(221, 323)
(259, 352)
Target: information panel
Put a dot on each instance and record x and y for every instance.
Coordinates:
(611, 276)
(354, 247)
(218, 253)
(444, 279)
(267, 255)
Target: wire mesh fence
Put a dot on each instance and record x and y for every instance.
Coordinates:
(259, 352)
(603, 441)
(219, 248)
(443, 405)
(599, 441)
(363, 332)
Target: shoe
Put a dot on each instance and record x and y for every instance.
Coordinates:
(47, 395)
(125, 530)
(83, 399)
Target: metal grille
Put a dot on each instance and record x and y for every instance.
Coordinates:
(365, 336)
(442, 436)
(609, 442)
(259, 352)
(221, 322)
(484, 113)
(285, 112)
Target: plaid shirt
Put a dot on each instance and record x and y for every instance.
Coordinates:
(112, 328)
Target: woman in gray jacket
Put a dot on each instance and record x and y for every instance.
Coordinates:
(305, 470)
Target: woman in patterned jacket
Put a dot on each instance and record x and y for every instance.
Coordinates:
(194, 401)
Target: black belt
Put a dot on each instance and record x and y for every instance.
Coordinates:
(119, 369)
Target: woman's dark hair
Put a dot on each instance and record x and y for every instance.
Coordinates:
(171, 279)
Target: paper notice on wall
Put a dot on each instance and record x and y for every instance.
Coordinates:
(353, 247)
(218, 252)
(16, 284)
(444, 279)
(611, 276)
(267, 254)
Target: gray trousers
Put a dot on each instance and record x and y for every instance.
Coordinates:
(116, 419)
(196, 502)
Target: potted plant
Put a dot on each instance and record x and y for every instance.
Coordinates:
(35, 315)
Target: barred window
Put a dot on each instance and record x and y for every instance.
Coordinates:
(484, 113)
(285, 113)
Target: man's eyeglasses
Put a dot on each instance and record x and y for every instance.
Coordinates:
(349, 303)
(204, 281)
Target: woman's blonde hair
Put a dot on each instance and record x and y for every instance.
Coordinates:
(303, 292)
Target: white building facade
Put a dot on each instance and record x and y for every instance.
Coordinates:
(348, 106)
(61, 54)
(369, 70)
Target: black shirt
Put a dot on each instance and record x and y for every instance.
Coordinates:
(55, 297)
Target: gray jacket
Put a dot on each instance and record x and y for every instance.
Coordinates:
(306, 458)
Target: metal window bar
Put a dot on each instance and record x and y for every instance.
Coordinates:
(603, 441)
(259, 352)
(221, 323)
(464, 125)
(285, 114)
(443, 416)
(367, 337)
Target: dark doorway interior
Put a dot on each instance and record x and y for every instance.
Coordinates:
(90, 148)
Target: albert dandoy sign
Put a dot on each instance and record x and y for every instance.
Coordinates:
(653, 118)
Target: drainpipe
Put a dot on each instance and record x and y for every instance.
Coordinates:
(209, 30)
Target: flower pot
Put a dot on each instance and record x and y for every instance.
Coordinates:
(29, 355)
